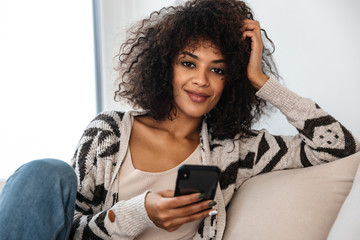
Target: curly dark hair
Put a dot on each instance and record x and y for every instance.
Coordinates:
(146, 58)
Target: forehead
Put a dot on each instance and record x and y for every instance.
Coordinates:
(200, 45)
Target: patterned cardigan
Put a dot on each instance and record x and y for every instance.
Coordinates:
(102, 148)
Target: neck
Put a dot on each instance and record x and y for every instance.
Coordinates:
(183, 127)
(179, 128)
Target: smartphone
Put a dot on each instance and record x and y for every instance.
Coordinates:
(197, 179)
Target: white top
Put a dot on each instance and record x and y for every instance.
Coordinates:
(133, 182)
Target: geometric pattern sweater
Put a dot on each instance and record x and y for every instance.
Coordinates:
(102, 148)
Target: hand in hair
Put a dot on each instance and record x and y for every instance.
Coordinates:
(252, 30)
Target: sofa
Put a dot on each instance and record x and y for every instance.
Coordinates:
(2, 183)
(296, 204)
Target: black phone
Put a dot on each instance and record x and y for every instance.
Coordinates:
(197, 179)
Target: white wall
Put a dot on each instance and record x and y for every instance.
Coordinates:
(316, 51)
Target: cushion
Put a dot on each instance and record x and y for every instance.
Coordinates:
(291, 204)
(347, 223)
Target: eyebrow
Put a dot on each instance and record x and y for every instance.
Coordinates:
(197, 58)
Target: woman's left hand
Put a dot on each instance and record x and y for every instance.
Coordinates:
(252, 30)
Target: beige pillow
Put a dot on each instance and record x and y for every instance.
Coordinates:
(291, 204)
(346, 225)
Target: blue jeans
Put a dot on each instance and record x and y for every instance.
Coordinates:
(38, 201)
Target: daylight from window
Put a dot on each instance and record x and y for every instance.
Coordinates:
(47, 92)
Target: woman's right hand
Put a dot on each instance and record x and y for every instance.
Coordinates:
(170, 213)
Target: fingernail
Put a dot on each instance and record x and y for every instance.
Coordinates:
(211, 204)
(201, 195)
(213, 212)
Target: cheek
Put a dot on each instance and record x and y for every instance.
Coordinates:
(176, 86)
(176, 79)
(220, 88)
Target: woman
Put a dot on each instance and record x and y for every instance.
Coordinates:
(201, 76)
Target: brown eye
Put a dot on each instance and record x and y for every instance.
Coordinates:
(217, 71)
(188, 64)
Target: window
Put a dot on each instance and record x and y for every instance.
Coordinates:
(47, 92)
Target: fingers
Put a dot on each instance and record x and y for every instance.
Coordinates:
(183, 205)
(251, 29)
(178, 222)
(184, 200)
(170, 212)
(174, 219)
(251, 25)
(190, 209)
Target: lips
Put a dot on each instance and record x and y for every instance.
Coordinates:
(197, 97)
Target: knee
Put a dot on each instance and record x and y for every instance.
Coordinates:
(48, 170)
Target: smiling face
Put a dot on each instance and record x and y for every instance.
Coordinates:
(198, 80)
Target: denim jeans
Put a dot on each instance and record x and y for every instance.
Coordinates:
(38, 201)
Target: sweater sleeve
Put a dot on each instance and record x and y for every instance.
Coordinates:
(321, 138)
(94, 163)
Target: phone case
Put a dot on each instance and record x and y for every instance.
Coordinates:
(197, 179)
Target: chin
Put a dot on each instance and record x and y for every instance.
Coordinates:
(195, 113)
(192, 111)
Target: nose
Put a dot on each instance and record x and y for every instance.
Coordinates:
(201, 79)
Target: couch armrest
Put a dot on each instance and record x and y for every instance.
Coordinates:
(291, 204)
(346, 226)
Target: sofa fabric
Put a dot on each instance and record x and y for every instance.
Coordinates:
(2, 183)
(291, 204)
(346, 226)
